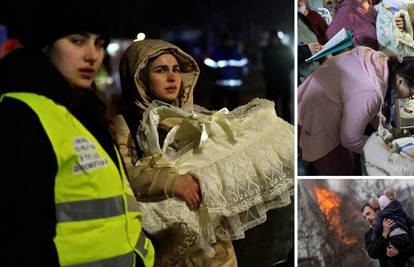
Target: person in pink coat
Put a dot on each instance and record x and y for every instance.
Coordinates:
(338, 101)
(358, 16)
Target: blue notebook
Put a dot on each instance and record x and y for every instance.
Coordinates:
(340, 41)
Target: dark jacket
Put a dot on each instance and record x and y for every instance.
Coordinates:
(28, 159)
(376, 249)
(319, 25)
(229, 72)
(394, 212)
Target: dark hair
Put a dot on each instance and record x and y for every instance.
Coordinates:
(366, 205)
(145, 72)
(405, 68)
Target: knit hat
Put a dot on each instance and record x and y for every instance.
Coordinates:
(383, 201)
(54, 20)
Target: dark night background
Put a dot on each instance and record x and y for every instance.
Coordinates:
(194, 27)
(129, 17)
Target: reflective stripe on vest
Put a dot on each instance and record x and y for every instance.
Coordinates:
(89, 209)
(97, 217)
(141, 244)
(123, 260)
(93, 209)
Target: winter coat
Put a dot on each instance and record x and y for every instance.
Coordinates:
(150, 183)
(394, 212)
(376, 249)
(339, 100)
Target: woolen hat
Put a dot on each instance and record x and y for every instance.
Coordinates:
(54, 20)
(383, 201)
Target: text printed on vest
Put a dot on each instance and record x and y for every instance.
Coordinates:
(89, 158)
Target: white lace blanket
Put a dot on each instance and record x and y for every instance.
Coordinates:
(243, 160)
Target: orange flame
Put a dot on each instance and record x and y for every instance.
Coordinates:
(329, 203)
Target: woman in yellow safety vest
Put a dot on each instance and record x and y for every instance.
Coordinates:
(65, 199)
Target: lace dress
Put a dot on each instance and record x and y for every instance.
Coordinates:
(243, 160)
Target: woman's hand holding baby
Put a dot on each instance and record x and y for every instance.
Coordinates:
(188, 188)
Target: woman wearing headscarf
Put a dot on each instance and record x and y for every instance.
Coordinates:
(174, 75)
(159, 77)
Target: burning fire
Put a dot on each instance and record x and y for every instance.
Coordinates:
(329, 203)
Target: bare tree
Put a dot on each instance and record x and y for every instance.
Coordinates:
(308, 235)
(335, 236)
(332, 233)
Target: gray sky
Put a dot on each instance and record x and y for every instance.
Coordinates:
(337, 184)
(369, 185)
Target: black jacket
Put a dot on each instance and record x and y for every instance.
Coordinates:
(377, 250)
(28, 161)
(393, 211)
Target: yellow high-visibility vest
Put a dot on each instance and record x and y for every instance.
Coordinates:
(98, 223)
